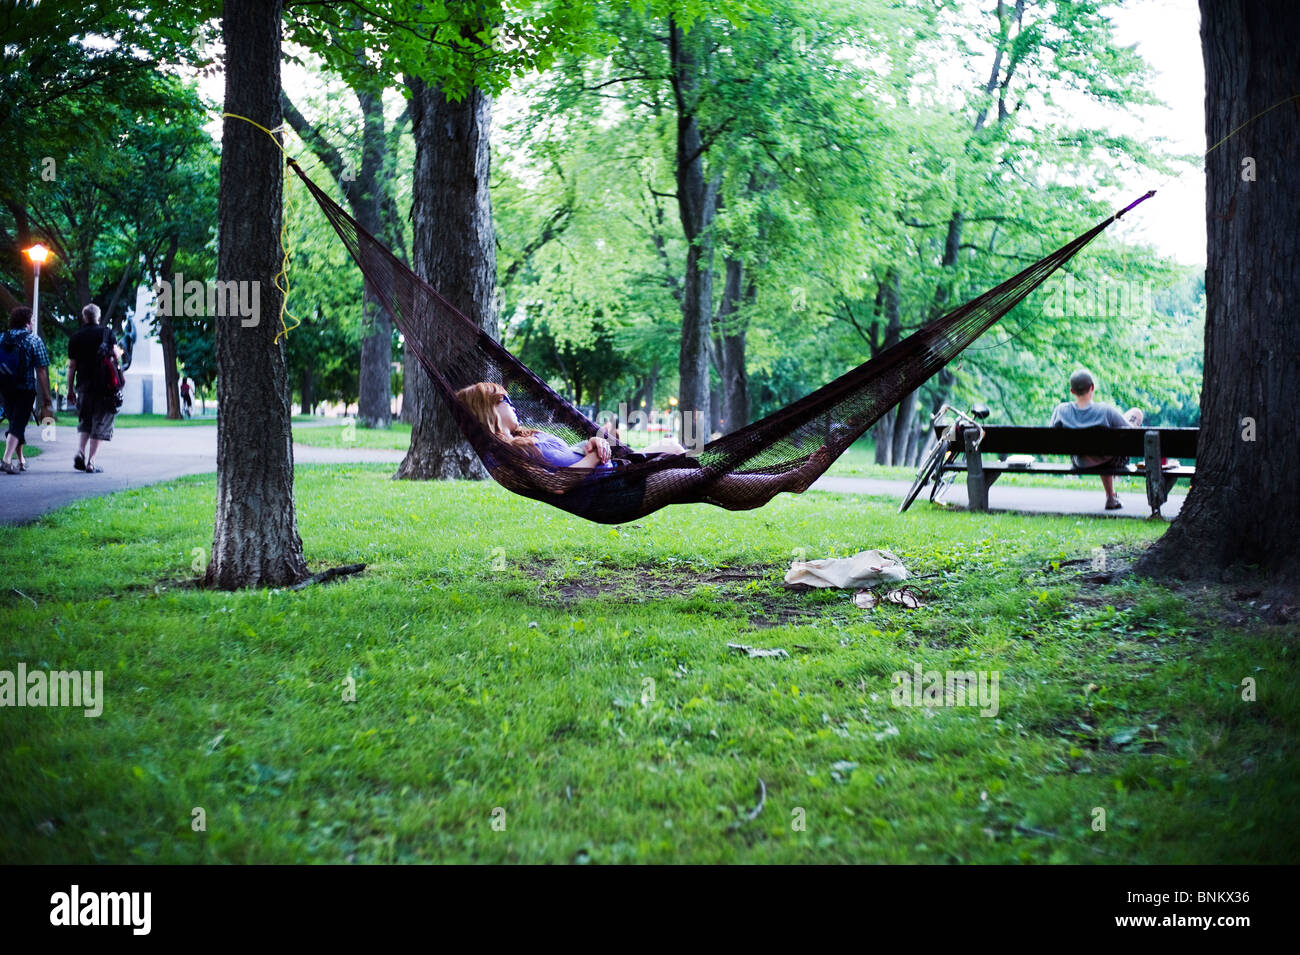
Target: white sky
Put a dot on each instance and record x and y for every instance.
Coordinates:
(1167, 35)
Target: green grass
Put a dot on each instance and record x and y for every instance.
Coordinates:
(69, 418)
(397, 438)
(160, 420)
(501, 651)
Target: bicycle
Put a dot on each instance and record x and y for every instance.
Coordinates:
(944, 452)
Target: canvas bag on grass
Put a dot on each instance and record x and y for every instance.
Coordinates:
(867, 568)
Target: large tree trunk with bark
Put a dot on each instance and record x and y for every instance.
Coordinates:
(891, 436)
(167, 338)
(375, 402)
(731, 348)
(454, 251)
(697, 205)
(1244, 508)
(256, 540)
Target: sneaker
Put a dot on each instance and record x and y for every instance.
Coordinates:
(79, 462)
(8, 468)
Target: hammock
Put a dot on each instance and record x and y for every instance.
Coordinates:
(786, 451)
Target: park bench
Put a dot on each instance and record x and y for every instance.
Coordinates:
(1148, 444)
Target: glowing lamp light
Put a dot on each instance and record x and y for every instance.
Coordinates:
(37, 253)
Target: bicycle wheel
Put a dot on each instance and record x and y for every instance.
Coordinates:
(941, 486)
(927, 469)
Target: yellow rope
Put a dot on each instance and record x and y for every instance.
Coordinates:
(1205, 155)
(282, 277)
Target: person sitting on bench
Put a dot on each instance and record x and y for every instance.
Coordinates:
(1083, 412)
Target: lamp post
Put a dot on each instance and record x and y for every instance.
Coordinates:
(37, 254)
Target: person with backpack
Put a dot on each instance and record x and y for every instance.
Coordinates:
(94, 378)
(187, 400)
(24, 365)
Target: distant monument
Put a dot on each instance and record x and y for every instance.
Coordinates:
(145, 391)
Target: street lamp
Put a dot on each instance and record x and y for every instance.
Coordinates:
(37, 254)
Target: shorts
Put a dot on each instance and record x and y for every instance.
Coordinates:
(1095, 462)
(95, 416)
(18, 406)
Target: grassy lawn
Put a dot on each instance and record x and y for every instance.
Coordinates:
(159, 420)
(397, 438)
(575, 677)
(69, 418)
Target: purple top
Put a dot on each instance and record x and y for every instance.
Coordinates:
(558, 454)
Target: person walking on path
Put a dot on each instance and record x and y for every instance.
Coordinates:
(95, 410)
(24, 366)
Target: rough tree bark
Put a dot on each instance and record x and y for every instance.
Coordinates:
(256, 540)
(1244, 507)
(454, 250)
(167, 338)
(697, 203)
(731, 338)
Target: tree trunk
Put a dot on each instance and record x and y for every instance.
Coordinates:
(412, 375)
(256, 540)
(904, 425)
(454, 251)
(167, 338)
(375, 401)
(731, 348)
(171, 377)
(1243, 508)
(696, 202)
(886, 305)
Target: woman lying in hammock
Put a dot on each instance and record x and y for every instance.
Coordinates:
(491, 405)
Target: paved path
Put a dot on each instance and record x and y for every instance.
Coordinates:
(135, 457)
(139, 456)
(1030, 500)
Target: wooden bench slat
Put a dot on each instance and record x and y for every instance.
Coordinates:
(1009, 439)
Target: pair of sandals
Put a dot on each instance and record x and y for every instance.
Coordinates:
(79, 462)
(13, 468)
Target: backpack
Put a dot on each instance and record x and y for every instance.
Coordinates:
(13, 362)
(110, 381)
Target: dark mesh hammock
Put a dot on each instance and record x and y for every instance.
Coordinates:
(786, 451)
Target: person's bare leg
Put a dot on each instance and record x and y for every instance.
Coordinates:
(92, 447)
(1108, 483)
(11, 444)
